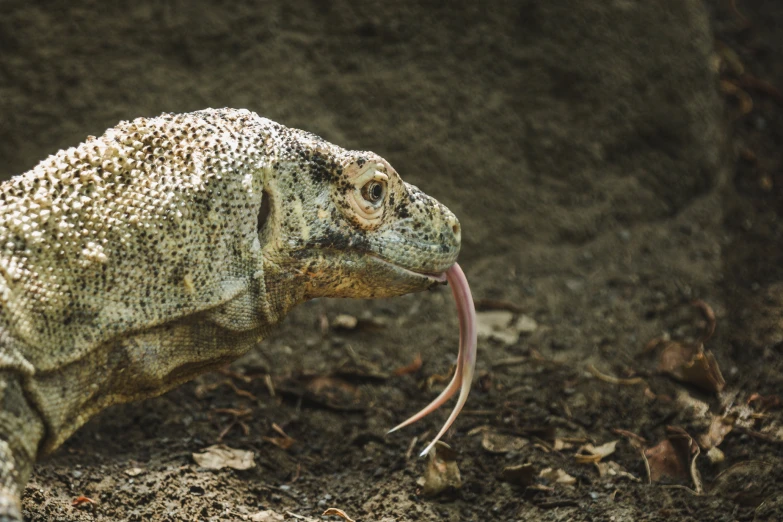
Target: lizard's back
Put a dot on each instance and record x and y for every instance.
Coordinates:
(106, 238)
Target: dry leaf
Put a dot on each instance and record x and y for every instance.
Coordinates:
(525, 324)
(589, 454)
(442, 473)
(614, 470)
(495, 325)
(220, 456)
(738, 415)
(680, 437)
(703, 371)
(334, 393)
(692, 364)
(500, 443)
(664, 462)
(674, 458)
(500, 325)
(267, 516)
(339, 513)
(82, 500)
(557, 476)
(520, 475)
(720, 426)
(413, 367)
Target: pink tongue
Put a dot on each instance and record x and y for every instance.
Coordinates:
(466, 360)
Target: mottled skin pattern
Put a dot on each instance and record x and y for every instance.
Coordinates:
(140, 259)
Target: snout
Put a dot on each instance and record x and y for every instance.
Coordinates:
(451, 231)
(426, 238)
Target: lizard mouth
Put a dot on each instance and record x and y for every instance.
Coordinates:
(435, 279)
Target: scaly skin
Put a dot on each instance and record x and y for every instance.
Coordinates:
(140, 259)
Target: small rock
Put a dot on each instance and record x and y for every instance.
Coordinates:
(345, 322)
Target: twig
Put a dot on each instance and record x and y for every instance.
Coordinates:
(629, 435)
(680, 486)
(612, 380)
(745, 23)
(709, 315)
(748, 81)
(270, 386)
(744, 99)
(510, 361)
(412, 445)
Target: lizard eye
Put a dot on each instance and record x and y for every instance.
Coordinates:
(370, 191)
(373, 191)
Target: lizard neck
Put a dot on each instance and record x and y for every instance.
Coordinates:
(283, 289)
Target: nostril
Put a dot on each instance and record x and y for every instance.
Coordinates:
(455, 229)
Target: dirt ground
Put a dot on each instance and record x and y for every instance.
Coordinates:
(612, 163)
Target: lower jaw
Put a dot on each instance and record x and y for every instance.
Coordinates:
(435, 278)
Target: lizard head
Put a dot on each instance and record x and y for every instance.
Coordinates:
(347, 224)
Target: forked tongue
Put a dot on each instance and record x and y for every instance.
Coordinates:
(466, 359)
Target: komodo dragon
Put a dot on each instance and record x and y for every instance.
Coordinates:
(170, 246)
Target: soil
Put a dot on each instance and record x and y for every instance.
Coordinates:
(611, 163)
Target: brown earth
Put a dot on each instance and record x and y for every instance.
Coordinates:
(608, 170)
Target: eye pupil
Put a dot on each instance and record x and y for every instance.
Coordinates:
(373, 191)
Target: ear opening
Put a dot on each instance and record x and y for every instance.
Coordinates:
(264, 213)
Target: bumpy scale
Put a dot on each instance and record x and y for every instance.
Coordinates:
(142, 258)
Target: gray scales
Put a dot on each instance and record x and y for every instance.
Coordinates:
(170, 246)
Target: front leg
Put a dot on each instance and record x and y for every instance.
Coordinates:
(21, 430)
